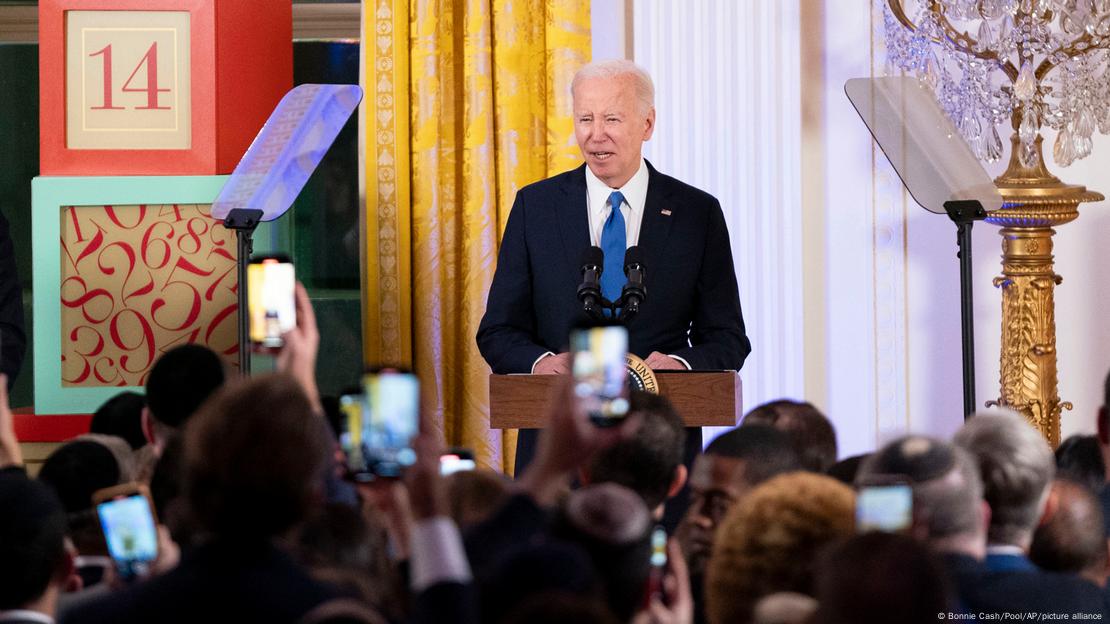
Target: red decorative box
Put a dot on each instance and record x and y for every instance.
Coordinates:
(158, 87)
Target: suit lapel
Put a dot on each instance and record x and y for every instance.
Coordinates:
(656, 225)
(573, 219)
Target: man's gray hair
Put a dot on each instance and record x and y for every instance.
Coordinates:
(947, 491)
(1017, 468)
(612, 68)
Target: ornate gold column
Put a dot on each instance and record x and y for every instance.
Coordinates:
(1036, 202)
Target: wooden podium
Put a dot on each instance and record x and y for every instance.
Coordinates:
(702, 398)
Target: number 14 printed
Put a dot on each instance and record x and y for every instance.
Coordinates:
(149, 62)
(128, 82)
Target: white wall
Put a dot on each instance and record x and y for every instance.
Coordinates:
(850, 290)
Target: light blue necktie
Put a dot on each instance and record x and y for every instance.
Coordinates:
(613, 244)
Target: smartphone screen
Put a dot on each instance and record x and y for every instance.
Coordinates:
(380, 425)
(658, 565)
(601, 372)
(456, 460)
(130, 531)
(271, 283)
(352, 408)
(887, 508)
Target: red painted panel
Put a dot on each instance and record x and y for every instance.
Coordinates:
(53, 428)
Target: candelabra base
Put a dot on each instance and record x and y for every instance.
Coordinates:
(1036, 201)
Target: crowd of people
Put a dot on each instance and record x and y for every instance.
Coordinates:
(256, 522)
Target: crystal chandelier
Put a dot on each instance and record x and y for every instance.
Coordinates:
(1034, 63)
(1037, 64)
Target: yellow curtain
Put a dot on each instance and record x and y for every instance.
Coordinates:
(466, 102)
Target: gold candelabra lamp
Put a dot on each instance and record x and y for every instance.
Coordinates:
(1032, 64)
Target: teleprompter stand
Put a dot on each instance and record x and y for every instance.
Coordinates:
(273, 171)
(964, 213)
(243, 221)
(938, 169)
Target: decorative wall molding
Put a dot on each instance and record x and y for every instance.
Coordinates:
(19, 24)
(327, 21)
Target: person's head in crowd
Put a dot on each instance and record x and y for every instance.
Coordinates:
(166, 491)
(1079, 459)
(950, 515)
(342, 611)
(650, 462)
(80, 467)
(474, 495)
(811, 433)
(535, 569)
(254, 459)
(1072, 539)
(35, 565)
(732, 465)
(765, 543)
(846, 469)
(559, 608)
(122, 416)
(1017, 468)
(75, 471)
(1103, 425)
(346, 549)
(784, 608)
(613, 525)
(869, 577)
(121, 451)
(178, 384)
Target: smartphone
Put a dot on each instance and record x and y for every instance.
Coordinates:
(658, 566)
(456, 460)
(271, 284)
(886, 507)
(379, 425)
(130, 528)
(599, 365)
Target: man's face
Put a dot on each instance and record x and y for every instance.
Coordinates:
(611, 127)
(716, 484)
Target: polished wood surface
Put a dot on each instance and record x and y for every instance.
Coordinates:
(702, 399)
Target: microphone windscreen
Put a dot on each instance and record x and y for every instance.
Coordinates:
(633, 256)
(593, 256)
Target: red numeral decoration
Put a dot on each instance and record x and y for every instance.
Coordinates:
(106, 52)
(137, 281)
(150, 61)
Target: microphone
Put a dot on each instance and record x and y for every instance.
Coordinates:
(589, 291)
(634, 292)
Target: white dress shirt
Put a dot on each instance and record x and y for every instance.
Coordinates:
(635, 195)
(437, 554)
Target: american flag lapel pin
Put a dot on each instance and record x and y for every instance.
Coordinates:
(665, 212)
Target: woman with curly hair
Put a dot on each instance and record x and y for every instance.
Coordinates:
(767, 543)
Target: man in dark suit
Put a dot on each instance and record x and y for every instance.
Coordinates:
(691, 316)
